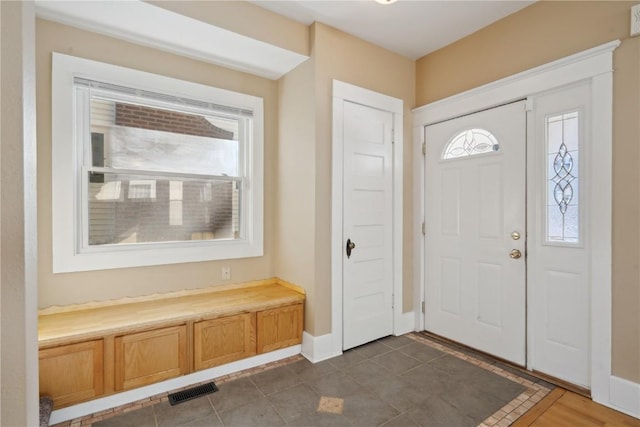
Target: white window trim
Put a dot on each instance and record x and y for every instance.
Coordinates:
(64, 185)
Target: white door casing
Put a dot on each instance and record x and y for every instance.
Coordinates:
(559, 296)
(367, 226)
(474, 202)
(332, 344)
(594, 65)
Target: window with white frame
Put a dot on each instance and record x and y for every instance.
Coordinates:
(151, 170)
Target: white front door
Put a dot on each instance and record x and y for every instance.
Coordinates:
(367, 224)
(559, 295)
(476, 230)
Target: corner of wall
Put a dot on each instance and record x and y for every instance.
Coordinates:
(317, 349)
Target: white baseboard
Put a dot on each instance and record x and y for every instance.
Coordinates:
(406, 324)
(317, 349)
(624, 396)
(134, 395)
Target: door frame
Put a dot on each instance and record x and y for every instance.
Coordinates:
(347, 92)
(594, 65)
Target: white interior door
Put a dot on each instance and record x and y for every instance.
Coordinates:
(367, 224)
(475, 230)
(559, 296)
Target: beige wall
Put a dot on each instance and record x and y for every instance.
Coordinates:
(352, 60)
(60, 289)
(295, 197)
(538, 34)
(298, 141)
(334, 55)
(297, 164)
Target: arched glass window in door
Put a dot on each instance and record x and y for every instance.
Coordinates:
(470, 142)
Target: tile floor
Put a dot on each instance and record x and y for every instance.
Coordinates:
(397, 381)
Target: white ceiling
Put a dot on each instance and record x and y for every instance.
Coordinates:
(412, 28)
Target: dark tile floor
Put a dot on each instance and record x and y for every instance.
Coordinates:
(396, 381)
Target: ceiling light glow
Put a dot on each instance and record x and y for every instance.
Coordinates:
(386, 1)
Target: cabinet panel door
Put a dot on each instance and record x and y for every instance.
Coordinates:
(223, 340)
(148, 357)
(72, 373)
(279, 328)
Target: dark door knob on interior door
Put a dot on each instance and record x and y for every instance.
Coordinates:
(350, 246)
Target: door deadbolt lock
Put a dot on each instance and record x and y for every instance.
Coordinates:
(515, 235)
(350, 246)
(515, 254)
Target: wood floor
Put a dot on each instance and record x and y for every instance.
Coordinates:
(564, 408)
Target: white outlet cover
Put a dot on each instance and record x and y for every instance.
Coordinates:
(635, 20)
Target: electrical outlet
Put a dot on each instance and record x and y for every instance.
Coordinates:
(635, 20)
(226, 273)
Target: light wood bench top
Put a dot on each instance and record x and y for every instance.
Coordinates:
(63, 325)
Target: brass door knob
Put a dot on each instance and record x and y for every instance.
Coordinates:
(515, 254)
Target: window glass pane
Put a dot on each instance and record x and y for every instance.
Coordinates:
(570, 127)
(143, 209)
(563, 195)
(131, 136)
(471, 142)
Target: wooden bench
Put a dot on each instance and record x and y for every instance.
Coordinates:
(96, 349)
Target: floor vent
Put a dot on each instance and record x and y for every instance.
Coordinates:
(192, 393)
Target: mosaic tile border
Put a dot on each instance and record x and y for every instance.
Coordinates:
(513, 410)
(503, 417)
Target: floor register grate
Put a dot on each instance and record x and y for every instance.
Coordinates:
(192, 393)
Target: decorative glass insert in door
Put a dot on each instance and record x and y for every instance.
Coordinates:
(470, 142)
(563, 178)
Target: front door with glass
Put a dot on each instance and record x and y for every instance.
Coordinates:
(475, 230)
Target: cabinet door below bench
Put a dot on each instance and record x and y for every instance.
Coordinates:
(148, 357)
(279, 327)
(224, 340)
(72, 373)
